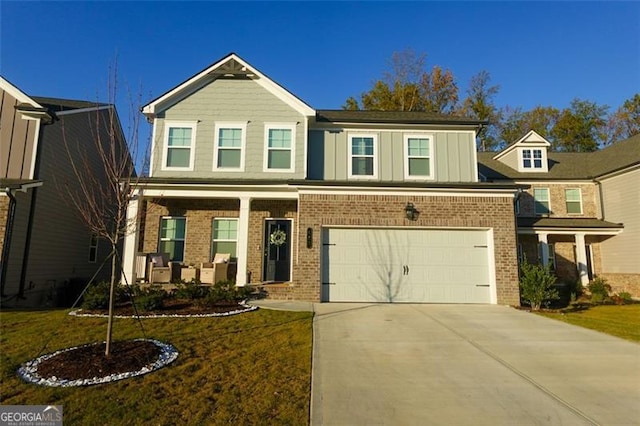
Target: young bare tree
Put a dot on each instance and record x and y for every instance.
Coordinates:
(104, 178)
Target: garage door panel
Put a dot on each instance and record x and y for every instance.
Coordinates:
(401, 265)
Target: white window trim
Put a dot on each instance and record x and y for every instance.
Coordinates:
(543, 159)
(184, 240)
(279, 126)
(406, 138)
(192, 148)
(579, 200)
(548, 200)
(213, 240)
(350, 136)
(242, 125)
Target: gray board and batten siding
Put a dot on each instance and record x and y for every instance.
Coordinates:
(230, 100)
(454, 154)
(17, 140)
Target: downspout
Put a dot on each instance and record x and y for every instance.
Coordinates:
(7, 240)
(27, 243)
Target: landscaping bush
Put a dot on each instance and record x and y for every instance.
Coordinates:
(625, 296)
(599, 290)
(191, 290)
(537, 285)
(151, 299)
(97, 295)
(221, 292)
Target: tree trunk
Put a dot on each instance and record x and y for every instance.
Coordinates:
(112, 287)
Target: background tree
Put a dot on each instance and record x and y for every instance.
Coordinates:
(515, 122)
(580, 128)
(104, 179)
(479, 104)
(625, 121)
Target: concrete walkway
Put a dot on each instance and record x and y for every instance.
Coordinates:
(402, 364)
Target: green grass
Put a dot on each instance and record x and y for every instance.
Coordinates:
(253, 368)
(617, 320)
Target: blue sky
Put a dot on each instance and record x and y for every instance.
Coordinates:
(540, 53)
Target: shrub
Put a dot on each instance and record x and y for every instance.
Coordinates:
(191, 290)
(599, 290)
(221, 292)
(625, 296)
(97, 295)
(151, 299)
(537, 284)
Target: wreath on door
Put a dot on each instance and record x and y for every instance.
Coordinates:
(278, 237)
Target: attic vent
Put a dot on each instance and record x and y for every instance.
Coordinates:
(232, 68)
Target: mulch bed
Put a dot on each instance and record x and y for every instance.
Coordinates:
(172, 307)
(87, 362)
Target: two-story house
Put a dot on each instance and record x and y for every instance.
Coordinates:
(43, 242)
(326, 205)
(580, 212)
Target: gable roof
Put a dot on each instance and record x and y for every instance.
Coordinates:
(569, 165)
(404, 117)
(60, 105)
(20, 96)
(530, 139)
(230, 65)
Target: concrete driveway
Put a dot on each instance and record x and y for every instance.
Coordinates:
(383, 364)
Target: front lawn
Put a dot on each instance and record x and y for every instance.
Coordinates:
(253, 368)
(617, 320)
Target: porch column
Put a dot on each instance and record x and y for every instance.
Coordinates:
(544, 248)
(243, 241)
(130, 242)
(581, 259)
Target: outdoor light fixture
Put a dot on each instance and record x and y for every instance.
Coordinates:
(411, 211)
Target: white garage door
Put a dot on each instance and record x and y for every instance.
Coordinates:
(406, 265)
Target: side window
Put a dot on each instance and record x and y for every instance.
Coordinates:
(179, 142)
(229, 146)
(172, 237)
(279, 147)
(93, 248)
(224, 236)
(418, 156)
(573, 199)
(362, 156)
(541, 201)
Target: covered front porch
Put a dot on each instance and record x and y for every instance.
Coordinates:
(254, 224)
(569, 246)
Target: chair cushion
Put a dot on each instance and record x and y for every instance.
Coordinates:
(157, 261)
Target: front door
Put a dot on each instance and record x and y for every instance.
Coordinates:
(277, 253)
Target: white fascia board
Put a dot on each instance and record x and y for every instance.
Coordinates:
(552, 182)
(213, 193)
(17, 93)
(568, 231)
(150, 109)
(411, 192)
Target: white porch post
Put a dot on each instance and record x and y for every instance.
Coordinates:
(544, 249)
(130, 243)
(581, 259)
(243, 241)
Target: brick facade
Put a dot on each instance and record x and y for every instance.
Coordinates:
(317, 211)
(557, 200)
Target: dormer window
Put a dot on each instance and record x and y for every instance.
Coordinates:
(532, 159)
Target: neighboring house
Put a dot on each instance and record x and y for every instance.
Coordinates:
(44, 244)
(322, 205)
(581, 212)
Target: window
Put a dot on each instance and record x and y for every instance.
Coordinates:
(179, 142)
(229, 146)
(225, 236)
(541, 201)
(362, 156)
(93, 248)
(279, 141)
(521, 256)
(573, 198)
(418, 150)
(532, 159)
(172, 236)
